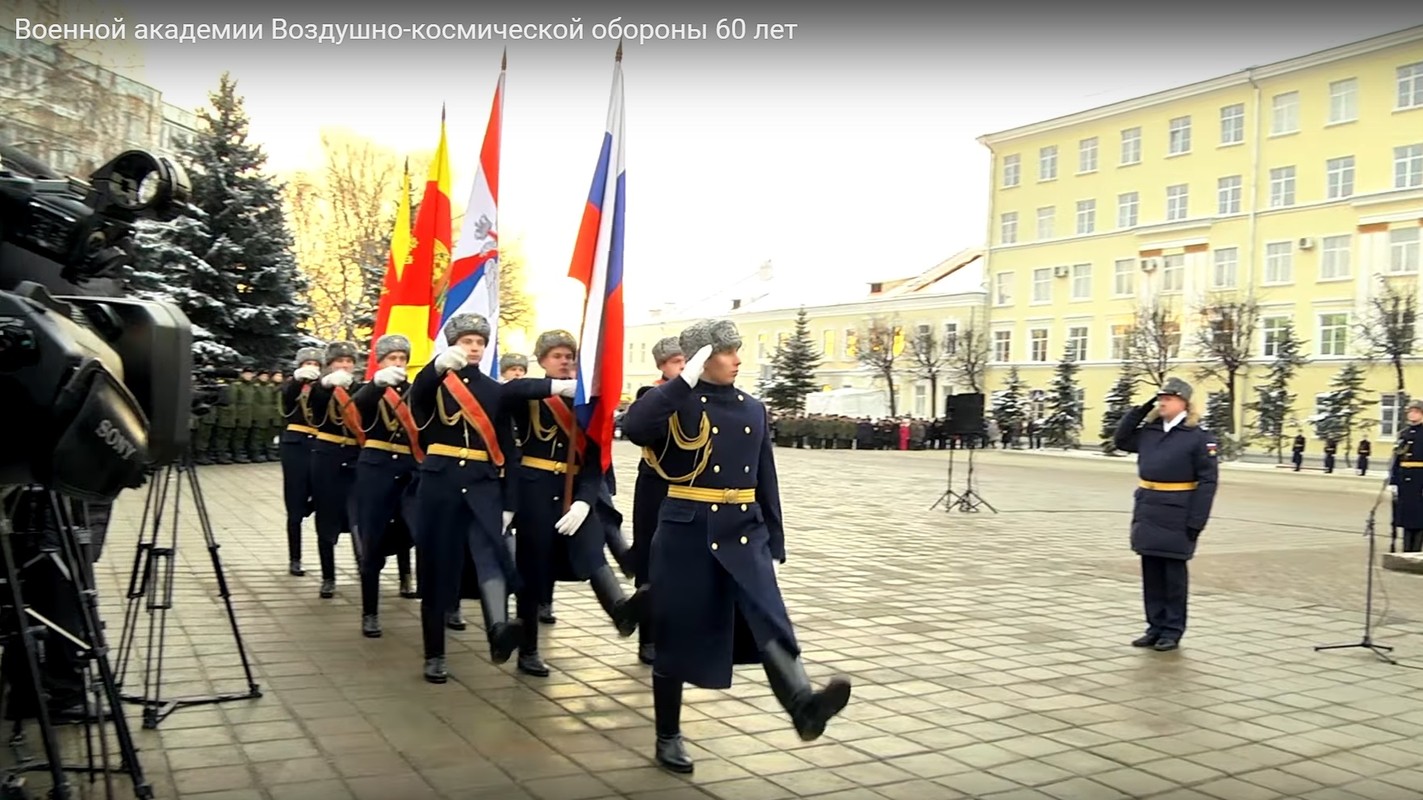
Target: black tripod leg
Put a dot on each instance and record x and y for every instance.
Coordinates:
(213, 547)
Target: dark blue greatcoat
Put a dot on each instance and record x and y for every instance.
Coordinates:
(1408, 450)
(715, 597)
(296, 460)
(459, 525)
(1166, 523)
(333, 467)
(543, 554)
(385, 481)
(647, 495)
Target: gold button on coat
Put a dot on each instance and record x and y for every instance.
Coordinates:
(748, 428)
(716, 429)
(743, 508)
(716, 468)
(744, 539)
(714, 545)
(715, 506)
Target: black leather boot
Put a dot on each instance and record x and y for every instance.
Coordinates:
(624, 611)
(504, 634)
(435, 671)
(370, 626)
(530, 662)
(671, 751)
(454, 620)
(328, 589)
(809, 709)
(407, 586)
(295, 569)
(621, 551)
(546, 614)
(646, 651)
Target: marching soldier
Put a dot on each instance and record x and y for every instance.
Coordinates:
(512, 366)
(718, 544)
(1177, 466)
(226, 423)
(1405, 480)
(277, 423)
(1366, 449)
(333, 460)
(460, 530)
(243, 403)
(1331, 447)
(261, 416)
(385, 476)
(564, 508)
(649, 491)
(1297, 452)
(297, 441)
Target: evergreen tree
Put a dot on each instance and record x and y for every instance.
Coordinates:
(1219, 419)
(1010, 405)
(1343, 406)
(1273, 400)
(254, 279)
(1119, 402)
(167, 266)
(1064, 413)
(793, 369)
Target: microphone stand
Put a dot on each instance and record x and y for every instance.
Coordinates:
(1367, 642)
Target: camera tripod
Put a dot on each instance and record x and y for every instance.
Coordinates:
(1367, 642)
(969, 501)
(150, 590)
(70, 556)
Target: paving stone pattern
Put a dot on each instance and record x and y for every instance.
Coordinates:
(989, 654)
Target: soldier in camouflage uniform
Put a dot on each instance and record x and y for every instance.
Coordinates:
(242, 404)
(277, 423)
(261, 417)
(226, 425)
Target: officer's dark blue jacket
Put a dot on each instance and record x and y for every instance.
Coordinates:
(1168, 516)
(1405, 473)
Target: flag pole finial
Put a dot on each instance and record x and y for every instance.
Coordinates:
(619, 56)
(504, 60)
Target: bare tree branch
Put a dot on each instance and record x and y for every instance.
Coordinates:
(878, 346)
(1224, 343)
(969, 353)
(1153, 343)
(1387, 330)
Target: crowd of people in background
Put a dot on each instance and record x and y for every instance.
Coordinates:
(840, 432)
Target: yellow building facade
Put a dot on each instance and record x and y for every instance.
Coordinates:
(1298, 184)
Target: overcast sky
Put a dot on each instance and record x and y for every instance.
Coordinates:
(844, 154)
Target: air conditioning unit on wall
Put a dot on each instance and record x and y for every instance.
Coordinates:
(1305, 243)
(1060, 272)
(1150, 264)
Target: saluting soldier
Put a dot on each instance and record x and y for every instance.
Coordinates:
(278, 422)
(1405, 479)
(650, 490)
(385, 476)
(1297, 451)
(333, 460)
(718, 544)
(1177, 466)
(465, 503)
(564, 507)
(512, 366)
(297, 440)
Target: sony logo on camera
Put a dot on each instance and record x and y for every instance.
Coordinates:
(115, 438)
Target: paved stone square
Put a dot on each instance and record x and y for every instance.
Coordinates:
(989, 653)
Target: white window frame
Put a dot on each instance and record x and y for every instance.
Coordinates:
(1270, 329)
(1408, 166)
(1333, 338)
(1343, 101)
(1405, 250)
(1130, 147)
(1339, 178)
(1228, 194)
(1280, 257)
(950, 343)
(1119, 337)
(1003, 346)
(1047, 222)
(1012, 170)
(1410, 86)
(1124, 268)
(1393, 415)
(1178, 202)
(1003, 289)
(1042, 286)
(1037, 345)
(1173, 274)
(1086, 217)
(1284, 114)
(1076, 343)
(1178, 136)
(1336, 257)
(1008, 227)
(1282, 187)
(1225, 267)
(1087, 155)
(1128, 204)
(1047, 163)
(1232, 124)
(1081, 278)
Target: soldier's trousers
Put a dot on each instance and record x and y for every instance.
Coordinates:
(202, 439)
(296, 491)
(222, 443)
(1412, 541)
(1329, 463)
(1165, 584)
(333, 479)
(274, 442)
(1363, 465)
(257, 442)
(385, 508)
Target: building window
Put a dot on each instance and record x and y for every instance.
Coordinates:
(1344, 100)
(1333, 334)
(1002, 345)
(1403, 250)
(1131, 144)
(852, 344)
(1121, 335)
(1228, 190)
(950, 343)
(1172, 334)
(1334, 257)
(1124, 277)
(761, 346)
(1047, 163)
(1410, 85)
(1003, 289)
(1232, 124)
(1037, 344)
(1081, 281)
(827, 343)
(1086, 216)
(1285, 116)
(1126, 209)
(1392, 417)
(1173, 273)
(1076, 343)
(1339, 177)
(1012, 170)
(1177, 202)
(1046, 216)
(1279, 262)
(1042, 285)
(1282, 187)
(1008, 228)
(1227, 264)
(1408, 166)
(1179, 140)
(1087, 155)
(1273, 329)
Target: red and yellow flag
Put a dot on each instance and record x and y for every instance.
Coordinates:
(430, 253)
(392, 287)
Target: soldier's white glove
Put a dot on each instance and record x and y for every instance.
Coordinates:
(508, 520)
(390, 376)
(340, 378)
(306, 373)
(1393, 490)
(577, 514)
(692, 372)
(564, 387)
(451, 360)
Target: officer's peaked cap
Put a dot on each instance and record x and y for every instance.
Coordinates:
(548, 340)
(337, 350)
(307, 354)
(512, 360)
(391, 343)
(721, 334)
(1418, 404)
(665, 349)
(464, 324)
(1177, 387)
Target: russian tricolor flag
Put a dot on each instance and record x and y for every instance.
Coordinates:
(598, 264)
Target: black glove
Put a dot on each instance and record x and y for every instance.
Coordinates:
(1193, 533)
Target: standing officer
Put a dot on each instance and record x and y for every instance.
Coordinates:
(277, 422)
(226, 420)
(1405, 480)
(1177, 467)
(243, 403)
(1331, 447)
(333, 460)
(564, 508)
(206, 423)
(261, 390)
(1366, 449)
(297, 440)
(718, 543)
(468, 439)
(385, 476)
(512, 366)
(649, 491)
(1297, 452)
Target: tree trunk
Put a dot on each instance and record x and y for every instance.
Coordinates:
(1230, 401)
(1398, 374)
(889, 380)
(933, 396)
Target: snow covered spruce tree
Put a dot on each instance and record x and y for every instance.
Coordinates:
(1274, 403)
(1010, 408)
(1118, 403)
(1064, 412)
(168, 264)
(793, 369)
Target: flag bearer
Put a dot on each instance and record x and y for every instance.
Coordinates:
(464, 503)
(297, 440)
(719, 540)
(333, 459)
(564, 508)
